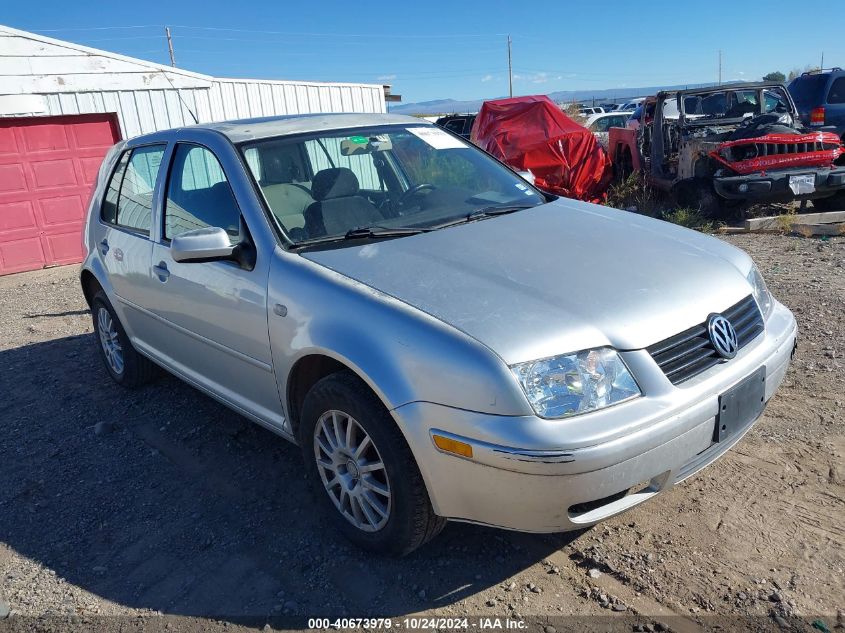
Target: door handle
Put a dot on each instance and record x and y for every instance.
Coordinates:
(161, 271)
(104, 247)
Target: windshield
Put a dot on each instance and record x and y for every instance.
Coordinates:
(734, 103)
(339, 183)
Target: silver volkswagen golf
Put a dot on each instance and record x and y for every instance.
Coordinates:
(441, 339)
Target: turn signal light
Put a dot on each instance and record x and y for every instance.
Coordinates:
(449, 445)
(817, 116)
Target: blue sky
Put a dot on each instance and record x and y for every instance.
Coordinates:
(458, 50)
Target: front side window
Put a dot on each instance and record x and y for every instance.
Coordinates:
(198, 194)
(774, 102)
(129, 197)
(414, 177)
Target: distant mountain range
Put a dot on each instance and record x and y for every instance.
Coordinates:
(616, 95)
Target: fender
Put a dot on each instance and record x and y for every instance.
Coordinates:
(403, 354)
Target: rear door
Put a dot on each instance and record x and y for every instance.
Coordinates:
(213, 315)
(123, 235)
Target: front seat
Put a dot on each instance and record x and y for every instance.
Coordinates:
(338, 208)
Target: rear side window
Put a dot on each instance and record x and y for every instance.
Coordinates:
(129, 196)
(837, 91)
(199, 195)
(109, 210)
(455, 125)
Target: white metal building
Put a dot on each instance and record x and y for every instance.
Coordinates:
(63, 105)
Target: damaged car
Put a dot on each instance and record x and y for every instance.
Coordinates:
(729, 146)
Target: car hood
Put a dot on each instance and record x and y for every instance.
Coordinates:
(553, 279)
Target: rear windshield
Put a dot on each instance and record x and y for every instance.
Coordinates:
(807, 89)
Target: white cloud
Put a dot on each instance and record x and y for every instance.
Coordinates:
(386, 77)
(487, 78)
(534, 78)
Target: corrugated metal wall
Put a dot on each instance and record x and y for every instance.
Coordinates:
(144, 111)
(44, 76)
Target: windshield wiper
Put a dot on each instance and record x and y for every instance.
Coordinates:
(362, 233)
(367, 232)
(485, 212)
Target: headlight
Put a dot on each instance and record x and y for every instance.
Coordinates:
(761, 292)
(576, 383)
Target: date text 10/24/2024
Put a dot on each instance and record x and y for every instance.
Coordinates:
(419, 623)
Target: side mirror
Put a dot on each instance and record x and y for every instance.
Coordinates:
(203, 245)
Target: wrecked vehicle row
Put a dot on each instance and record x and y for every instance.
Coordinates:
(717, 149)
(722, 147)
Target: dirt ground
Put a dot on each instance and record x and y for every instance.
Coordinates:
(178, 514)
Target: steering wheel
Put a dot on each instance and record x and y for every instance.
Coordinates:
(414, 191)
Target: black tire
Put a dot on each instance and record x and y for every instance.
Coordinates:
(836, 202)
(623, 166)
(699, 195)
(411, 521)
(137, 369)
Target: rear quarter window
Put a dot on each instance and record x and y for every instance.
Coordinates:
(807, 89)
(837, 91)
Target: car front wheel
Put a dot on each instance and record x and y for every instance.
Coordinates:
(363, 470)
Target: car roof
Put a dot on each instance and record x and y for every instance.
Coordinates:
(603, 115)
(265, 127)
(599, 115)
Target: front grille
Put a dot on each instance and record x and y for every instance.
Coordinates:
(746, 150)
(689, 353)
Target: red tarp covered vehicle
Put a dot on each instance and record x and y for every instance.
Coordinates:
(533, 134)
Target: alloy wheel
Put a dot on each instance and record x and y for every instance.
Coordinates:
(110, 340)
(352, 471)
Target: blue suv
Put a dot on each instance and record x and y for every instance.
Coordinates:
(819, 96)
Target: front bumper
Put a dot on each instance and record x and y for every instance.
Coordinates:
(539, 475)
(774, 185)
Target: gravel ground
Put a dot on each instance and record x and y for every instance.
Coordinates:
(164, 508)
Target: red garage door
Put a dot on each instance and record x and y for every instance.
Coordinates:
(47, 168)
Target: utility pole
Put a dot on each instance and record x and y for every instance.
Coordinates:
(170, 46)
(510, 69)
(720, 66)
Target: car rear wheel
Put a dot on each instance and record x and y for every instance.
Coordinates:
(125, 365)
(362, 470)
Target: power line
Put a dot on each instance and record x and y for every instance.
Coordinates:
(98, 28)
(131, 37)
(286, 33)
(354, 35)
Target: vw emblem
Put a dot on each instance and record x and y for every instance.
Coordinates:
(722, 335)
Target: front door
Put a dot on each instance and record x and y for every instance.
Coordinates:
(215, 312)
